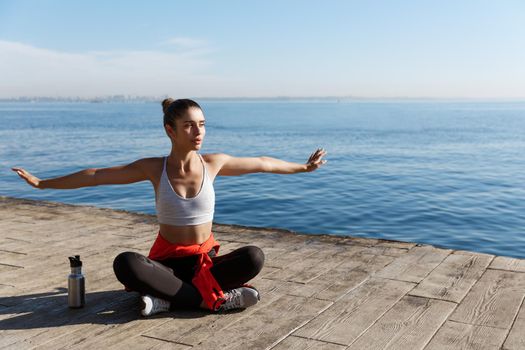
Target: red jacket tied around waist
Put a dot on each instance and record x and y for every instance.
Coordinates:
(203, 279)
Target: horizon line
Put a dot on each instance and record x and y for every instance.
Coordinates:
(125, 97)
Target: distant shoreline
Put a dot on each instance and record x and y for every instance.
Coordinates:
(335, 99)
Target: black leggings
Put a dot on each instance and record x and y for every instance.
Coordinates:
(170, 279)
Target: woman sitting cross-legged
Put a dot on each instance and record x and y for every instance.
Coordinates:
(183, 268)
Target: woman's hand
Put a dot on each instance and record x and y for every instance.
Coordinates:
(30, 179)
(315, 161)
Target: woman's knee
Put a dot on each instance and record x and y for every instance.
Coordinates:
(135, 264)
(122, 265)
(130, 265)
(256, 257)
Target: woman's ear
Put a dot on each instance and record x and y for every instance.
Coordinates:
(169, 131)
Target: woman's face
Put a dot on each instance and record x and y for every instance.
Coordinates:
(190, 129)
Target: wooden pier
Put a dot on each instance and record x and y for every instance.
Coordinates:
(318, 292)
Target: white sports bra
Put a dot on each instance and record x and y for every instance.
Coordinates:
(175, 210)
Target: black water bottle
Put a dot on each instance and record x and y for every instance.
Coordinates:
(76, 292)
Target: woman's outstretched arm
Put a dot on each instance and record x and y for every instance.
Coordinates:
(123, 174)
(233, 166)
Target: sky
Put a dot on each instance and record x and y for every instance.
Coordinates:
(369, 49)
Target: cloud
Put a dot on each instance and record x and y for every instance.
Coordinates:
(27, 70)
(184, 42)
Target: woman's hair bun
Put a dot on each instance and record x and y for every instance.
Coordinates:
(176, 109)
(166, 104)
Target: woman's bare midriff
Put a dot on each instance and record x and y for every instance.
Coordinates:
(186, 235)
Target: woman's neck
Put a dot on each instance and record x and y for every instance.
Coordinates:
(182, 160)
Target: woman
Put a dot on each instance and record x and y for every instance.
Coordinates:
(183, 268)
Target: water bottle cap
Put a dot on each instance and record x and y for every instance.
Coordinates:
(74, 261)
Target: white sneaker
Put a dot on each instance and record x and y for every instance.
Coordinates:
(152, 305)
(240, 298)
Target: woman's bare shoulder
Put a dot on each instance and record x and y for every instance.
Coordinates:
(214, 157)
(151, 161)
(151, 165)
(214, 161)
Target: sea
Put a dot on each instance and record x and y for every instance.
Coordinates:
(450, 173)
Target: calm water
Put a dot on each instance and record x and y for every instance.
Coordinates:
(449, 174)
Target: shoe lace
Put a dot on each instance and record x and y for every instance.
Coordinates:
(233, 300)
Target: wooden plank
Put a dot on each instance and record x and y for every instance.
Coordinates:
(4, 267)
(326, 288)
(140, 244)
(56, 263)
(396, 244)
(453, 278)
(91, 326)
(493, 301)
(410, 324)
(33, 324)
(267, 326)
(352, 314)
(56, 271)
(368, 263)
(305, 269)
(388, 251)
(147, 343)
(351, 250)
(59, 283)
(102, 336)
(311, 273)
(343, 278)
(296, 343)
(414, 265)
(509, 264)
(19, 303)
(453, 335)
(194, 326)
(366, 242)
(284, 261)
(516, 337)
